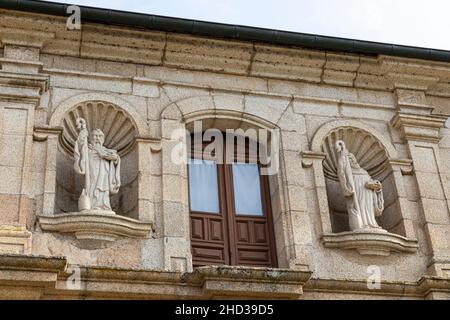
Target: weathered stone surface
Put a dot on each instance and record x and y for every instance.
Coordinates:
(161, 82)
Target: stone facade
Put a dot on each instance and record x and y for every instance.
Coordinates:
(157, 82)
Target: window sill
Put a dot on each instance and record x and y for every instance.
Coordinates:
(96, 225)
(370, 242)
(225, 282)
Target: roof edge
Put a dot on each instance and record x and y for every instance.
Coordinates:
(227, 31)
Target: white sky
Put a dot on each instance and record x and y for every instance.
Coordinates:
(422, 23)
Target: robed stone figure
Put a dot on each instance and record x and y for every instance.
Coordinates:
(363, 195)
(99, 166)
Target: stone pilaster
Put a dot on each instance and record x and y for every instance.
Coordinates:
(50, 136)
(314, 161)
(421, 133)
(174, 205)
(146, 147)
(402, 167)
(21, 87)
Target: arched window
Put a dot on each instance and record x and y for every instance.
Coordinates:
(230, 210)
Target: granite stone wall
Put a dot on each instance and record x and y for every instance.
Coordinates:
(162, 82)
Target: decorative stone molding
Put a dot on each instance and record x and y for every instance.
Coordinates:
(118, 128)
(15, 240)
(324, 130)
(406, 165)
(57, 117)
(238, 116)
(370, 242)
(38, 277)
(369, 152)
(308, 158)
(22, 37)
(95, 225)
(411, 98)
(419, 128)
(425, 288)
(20, 66)
(155, 143)
(14, 86)
(41, 133)
(249, 282)
(157, 48)
(28, 277)
(411, 81)
(439, 267)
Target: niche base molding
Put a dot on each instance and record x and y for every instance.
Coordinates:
(95, 225)
(374, 243)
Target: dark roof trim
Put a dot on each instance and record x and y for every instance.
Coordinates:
(220, 30)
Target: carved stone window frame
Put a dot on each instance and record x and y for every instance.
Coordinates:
(366, 243)
(175, 229)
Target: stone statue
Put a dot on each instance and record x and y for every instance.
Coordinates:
(100, 167)
(363, 195)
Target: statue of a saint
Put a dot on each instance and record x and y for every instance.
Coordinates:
(100, 167)
(363, 195)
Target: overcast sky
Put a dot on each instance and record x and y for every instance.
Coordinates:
(422, 23)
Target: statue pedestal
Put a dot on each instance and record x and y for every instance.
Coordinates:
(370, 242)
(99, 225)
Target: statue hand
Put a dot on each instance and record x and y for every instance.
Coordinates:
(110, 156)
(374, 185)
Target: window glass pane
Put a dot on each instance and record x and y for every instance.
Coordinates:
(247, 189)
(203, 187)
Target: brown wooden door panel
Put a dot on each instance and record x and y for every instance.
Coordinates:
(260, 232)
(227, 238)
(256, 256)
(252, 230)
(208, 239)
(208, 254)
(254, 241)
(198, 231)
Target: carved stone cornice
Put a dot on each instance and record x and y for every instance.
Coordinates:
(233, 281)
(27, 276)
(151, 47)
(39, 277)
(155, 143)
(23, 37)
(41, 133)
(17, 86)
(308, 157)
(439, 267)
(411, 81)
(422, 289)
(419, 127)
(405, 165)
(411, 99)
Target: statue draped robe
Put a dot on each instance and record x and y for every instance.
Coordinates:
(363, 203)
(102, 175)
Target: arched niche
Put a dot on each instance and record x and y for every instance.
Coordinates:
(120, 134)
(374, 153)
(373, 157)
(126, 132)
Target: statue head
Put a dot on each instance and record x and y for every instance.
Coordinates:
(97, 137)
(340, 146)
(81, 124)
